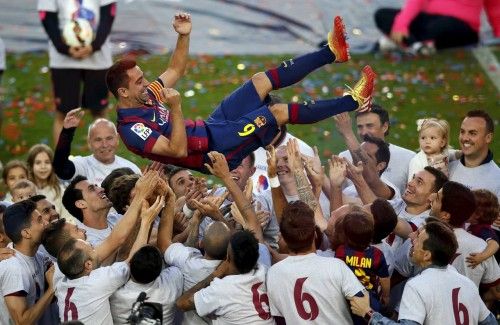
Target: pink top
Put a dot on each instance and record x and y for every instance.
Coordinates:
(466, 10)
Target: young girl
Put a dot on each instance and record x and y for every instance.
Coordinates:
(487, 211)
(41, 173)
(13, 171)
(433, 136)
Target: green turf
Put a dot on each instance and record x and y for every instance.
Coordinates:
(445, 85)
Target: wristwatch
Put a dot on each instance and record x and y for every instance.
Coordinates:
(368, 316)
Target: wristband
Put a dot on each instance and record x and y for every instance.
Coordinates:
(187, 211)
(274, 182)
(368, 316)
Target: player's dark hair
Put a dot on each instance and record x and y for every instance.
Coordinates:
(71, 259)
(383, 116)
(442, 243)
(490, 126)
(384, 219)
(16, 218)
(119, 193)
(146, 264)
(55, 236)
(487, 207)
(71, 195)
(458, 201)
(173, 171)
(383, 154)
(37, 198)
(117, 77)
(245, 250)
(439, 178)
(108, 180)
(358, 228)
(298, 226)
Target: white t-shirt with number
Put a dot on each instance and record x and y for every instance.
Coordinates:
(165, 289)
(194, 267)
(442, 296)
(236, 299)
(240, 298)
(487, 272)
(24, 275)
(311, 288)
(87, 298)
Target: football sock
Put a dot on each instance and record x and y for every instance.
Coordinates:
(294, 70)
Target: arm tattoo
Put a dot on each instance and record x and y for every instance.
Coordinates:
(305, 191)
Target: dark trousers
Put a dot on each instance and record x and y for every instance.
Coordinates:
(445, 31)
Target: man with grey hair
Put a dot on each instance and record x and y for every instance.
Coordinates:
(102, 140)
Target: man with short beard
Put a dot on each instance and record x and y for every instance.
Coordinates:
(476, 169)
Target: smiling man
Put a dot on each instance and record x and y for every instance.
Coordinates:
(102, 140)
(476, 169)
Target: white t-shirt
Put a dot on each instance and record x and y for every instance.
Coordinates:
(236, 299)
(165, 289)
(22, 273)
(86, 9)
(96, 236)
(260, 179)
(351, 192)
(311, 288)
(87, 298)
(442, 296)
(397, 169)
(194, 267)
(96, 171)
(486, 176)
(487, 272)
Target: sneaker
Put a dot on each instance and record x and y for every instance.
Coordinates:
(337, 41)
(363, 90)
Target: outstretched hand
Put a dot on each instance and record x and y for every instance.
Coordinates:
(73, 118)
(219, 166)
(182, 23)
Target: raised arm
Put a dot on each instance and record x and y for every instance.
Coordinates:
(177, 65)
(176, 146)
(278, 197)
(63, 167)
(165, 229)
(220, 169)
(148, 214)
(143, 188)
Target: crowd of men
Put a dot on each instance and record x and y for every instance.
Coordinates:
(355, 242)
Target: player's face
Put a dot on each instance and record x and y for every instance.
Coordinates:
(93, 196)
(436, 203)
(371, 149)
(431, 140)
(47, 210)
(242, 173)
(181, 182)
(419, 189)
(137, 86)
(75, 232)
(37, 227)
(282, 168)
(418, 254)
(370, 124)
(103, 142)
(474, 139)
(14, 175)
(42, 166)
